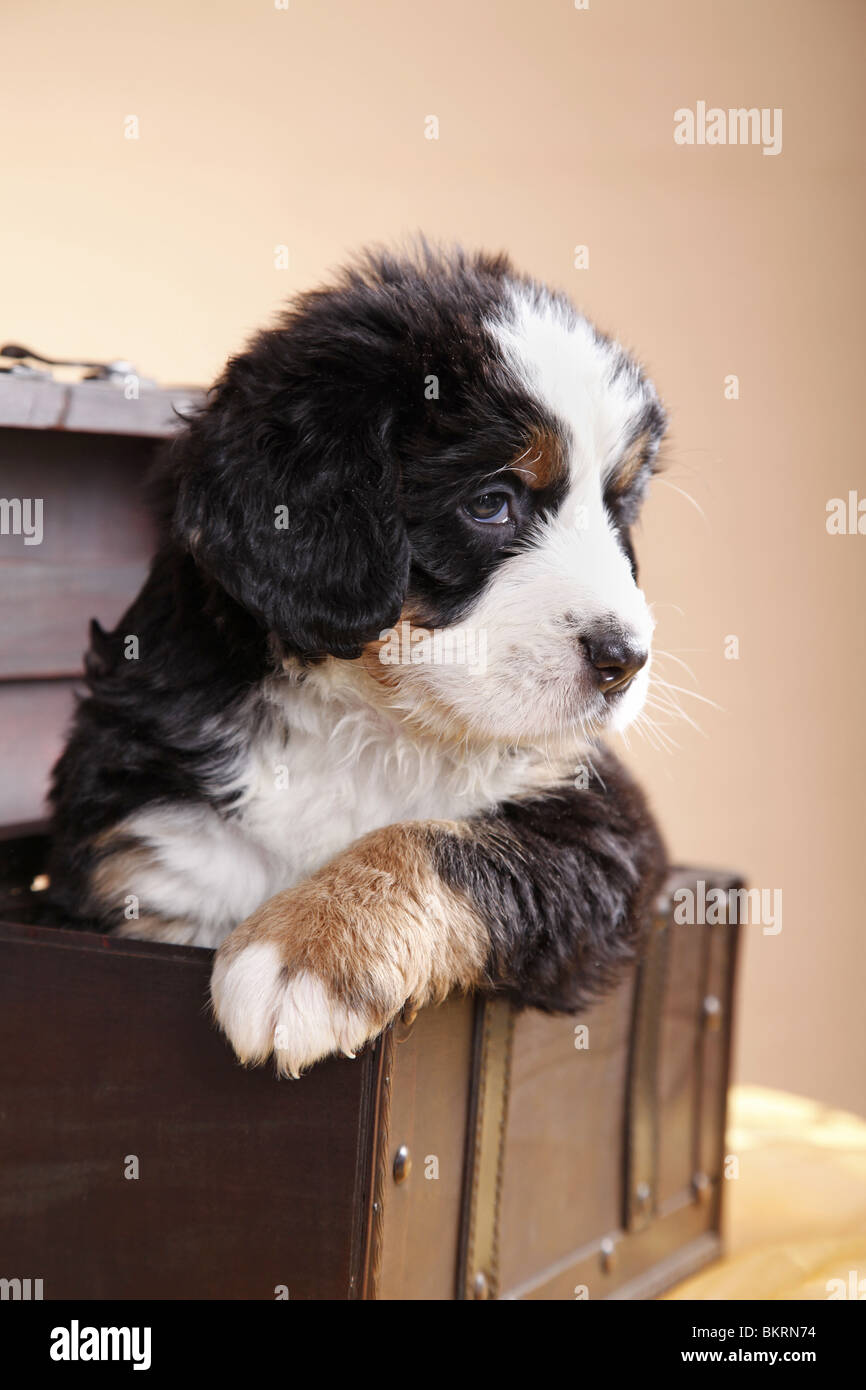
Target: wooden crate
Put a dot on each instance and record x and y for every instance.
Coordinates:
(528, 1151)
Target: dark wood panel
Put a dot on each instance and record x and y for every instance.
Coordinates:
(246, 1182)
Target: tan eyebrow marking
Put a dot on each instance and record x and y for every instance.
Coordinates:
(542, 461)
(631, 463)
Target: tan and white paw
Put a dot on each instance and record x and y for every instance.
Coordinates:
(263, 1010)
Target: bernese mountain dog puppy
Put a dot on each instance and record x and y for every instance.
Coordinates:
(393, 610)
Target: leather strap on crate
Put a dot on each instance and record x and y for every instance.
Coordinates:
(364, 1280)
(717, 990)
(642, 1103)
(478, 1273)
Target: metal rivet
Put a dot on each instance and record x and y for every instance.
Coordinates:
(480, 1285)
(642, 1196)
(607, 1251)
(703, 1188)
(712, 1013)
(402, 1164)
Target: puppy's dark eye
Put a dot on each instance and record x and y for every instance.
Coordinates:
(491, 507)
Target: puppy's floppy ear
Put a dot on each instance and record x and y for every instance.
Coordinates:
(293, 511)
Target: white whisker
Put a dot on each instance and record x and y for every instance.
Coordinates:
(666, 482)
(681, 690)
(657, 652)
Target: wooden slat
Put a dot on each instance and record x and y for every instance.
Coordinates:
(97, 407)
(47, 611)
(34, 716)
(564, 1141)
(96, 543)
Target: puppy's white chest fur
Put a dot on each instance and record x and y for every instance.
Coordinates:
(319, 766)
(331, 767)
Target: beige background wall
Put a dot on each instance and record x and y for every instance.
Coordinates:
(305, 127)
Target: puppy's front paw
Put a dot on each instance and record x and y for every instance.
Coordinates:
(264, 1009)
(323, 967)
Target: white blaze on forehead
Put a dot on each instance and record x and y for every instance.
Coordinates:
(589, 384)
(571, 576)
(596, 393)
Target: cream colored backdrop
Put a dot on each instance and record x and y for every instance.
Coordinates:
(261, 127)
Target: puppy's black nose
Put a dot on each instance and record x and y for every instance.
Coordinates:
(614, 659)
